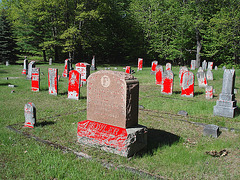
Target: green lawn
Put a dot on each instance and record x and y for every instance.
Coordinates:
(176, 149)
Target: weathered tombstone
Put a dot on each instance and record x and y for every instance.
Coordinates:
(53, 81)
(209, 74)
(93, 64)
(7, 63)
(128, 69)
(30, 115)
(112, 114)
(226, 105)
(74, 85)
(209, 92)
(35, 79)
(204, 65)
(154, 65)
(67, 68)
(210, 65)
(193, 64)
(188, 84)
(211, 130)
(30, 66)
(167, 82)
(216, 68)
(168, 66)
(182, 70)
(50, 61)
(223, 68)
(159, 74)
(25, 66)
(140, 63)
(202, 80)
(84, 70)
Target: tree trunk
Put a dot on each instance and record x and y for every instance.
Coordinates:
(199, 47)
(44, 56)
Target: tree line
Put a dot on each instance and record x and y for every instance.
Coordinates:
(120, 31)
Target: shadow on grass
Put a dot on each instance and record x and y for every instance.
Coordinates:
(45, 123)
(177, 92)
(4, 84)
(83, 97)
(198, 93)
(64, 93)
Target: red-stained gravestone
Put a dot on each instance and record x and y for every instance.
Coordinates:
(209, 92)
(183, 69)
(188, 84)
(74, 85)
(31, 65)
(193, 64)
(30, 115)
(210, 65)
(25, 66)
(53, 81)
(167, 82)
(154, 65)
(159, 74)
(35, 79)
(201, 76)
(168, 66)
(140, 63)
(67, 68)
(84, 70)
(128, 69)
(112, 114)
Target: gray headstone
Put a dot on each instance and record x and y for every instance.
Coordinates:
(30, 115)
(182, 113)
(50, 61)
(201, 76)
(30, 66)
(223, 68)
(93, 64)
(193, 64)
(204, 65)
(209, 92)
(235, 91)
(216, 68)
(209, 74)
(7, 63)
(211, 130)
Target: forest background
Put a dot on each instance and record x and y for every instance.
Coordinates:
(120, 31)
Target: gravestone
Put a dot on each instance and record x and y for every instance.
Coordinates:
(209, 74)
(7, 63)
(30, 66)
(53, 81)
(223, 68)
(209, 92)
(74, 85)
(84, 70)
(153, 68)
(93, 64)
(182, 70)
(210, 65)
(216, 68)
(67, 68)
(188, 84)
(25, 66)
(226, 105)
(159, 74)
(35, 79)
(140, 63)
(201, 76)
(168, 66)
(167, 82)
(128, 69)
(112, 114)
(211, 130)
(30, 115)
(204, 65)
(193, 64)
(50, 61)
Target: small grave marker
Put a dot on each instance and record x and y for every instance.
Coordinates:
(210, 65)
(204, 65)
(74, 85)
(67, 68)
(154, 65)
(216, 68)
(140, 64)
(35, 79)
(53, 81)
(30, 66)
(25, 66)
(84, 70)
(202, 80)
(211, 130)
(193, 64)
(188, 84)
(168, 66)
(167, 82)
(128, 69)
(93, 64)
(30, 115)
(209, 74)
(50, 61)
(159, 74)
(209, 92)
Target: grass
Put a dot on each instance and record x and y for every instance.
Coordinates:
(176, 149)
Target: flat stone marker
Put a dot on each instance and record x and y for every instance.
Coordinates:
(188, 84)
(67, 68)
(140, 64)
(209, 74)
(93, 64)
(209, 92)
(210, 65)
(128, 69)
(84, 70)
(30, 66)
(153, 68)
(53, 81)
(226, 105)
(204, 65)
(25, 66)
(74, 85)
(168, 66)
(201, 76)
(35, 79)
(193, 64)
(182, 70)
(159, 74)
(112, 114)
(30, 115)
(167, 86)
(211, 130)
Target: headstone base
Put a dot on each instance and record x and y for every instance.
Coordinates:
(124, 142)
(224, 111)
(211, 130)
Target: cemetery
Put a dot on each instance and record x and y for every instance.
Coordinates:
(110, 124)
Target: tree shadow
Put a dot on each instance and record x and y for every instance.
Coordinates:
(83, 97)
(45, 123)
(177, 92)
(63, 93)
(4, 84)
(198, 93)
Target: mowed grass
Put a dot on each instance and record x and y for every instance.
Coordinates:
(176, 149)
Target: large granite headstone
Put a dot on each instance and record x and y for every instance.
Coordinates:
(153, 68)
(30, 115)
(168, 66)
(35, 79)
(25, 66)
(53, 81)
(204, 65)
(74, 85)
(128, 69)
(112, 114)
(182, 70)
(140, 64)
(193, 64)
(188, 84)
(226, 105)
(201, 76)
(167, 82)
(30, 66)
(159, 74)
(209, 74)
(84, 70)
